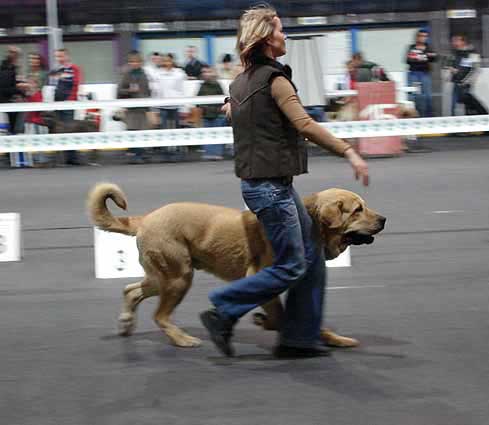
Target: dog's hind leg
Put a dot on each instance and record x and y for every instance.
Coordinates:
(172, 291)
(174, 273)
(134, 293)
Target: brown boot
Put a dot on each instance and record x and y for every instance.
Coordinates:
(332, 339)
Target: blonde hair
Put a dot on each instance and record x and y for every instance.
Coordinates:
(255, 26)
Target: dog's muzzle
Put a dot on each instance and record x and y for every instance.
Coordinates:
(358, 238)
(362, 237)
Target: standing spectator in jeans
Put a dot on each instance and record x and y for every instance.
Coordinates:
(36, 80)
(151, 67)
(193, 67)
(464, 66)
(167, 82)
(34, 123)
(134, 84)
(419, 57)
(211, 114)
(68, 77)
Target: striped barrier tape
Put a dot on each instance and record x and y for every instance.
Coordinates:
(223, 135)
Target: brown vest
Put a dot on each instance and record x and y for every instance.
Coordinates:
(266, 144)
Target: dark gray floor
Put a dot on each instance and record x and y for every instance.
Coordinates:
(418, 300)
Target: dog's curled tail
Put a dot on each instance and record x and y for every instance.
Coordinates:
(102, 217)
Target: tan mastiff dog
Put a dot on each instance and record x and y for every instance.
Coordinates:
(178, 238)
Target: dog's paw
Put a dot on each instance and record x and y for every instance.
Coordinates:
(332, 339)
(187, 341)
(263, 321)
(127, 324)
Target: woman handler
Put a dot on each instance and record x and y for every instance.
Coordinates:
(269, 125)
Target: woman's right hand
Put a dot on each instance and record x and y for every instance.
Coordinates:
(359, 165)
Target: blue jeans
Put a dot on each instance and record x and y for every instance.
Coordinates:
(169, 118)
(422, 99)
(455, 99)
(214, 150)
(298, 265)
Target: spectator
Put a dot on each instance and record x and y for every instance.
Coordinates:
(463, 68)
(168, 83)
(419, 57)
(34, 124)
(151, 67)
(193, 67)
(12, 87)
(349, 81)
(134, 84)
(366, 71)
(175, 64)
(9, 86)
(347, 107)
(155, 60)
(37, 70)
(68, 78)
(225, 70)
(211, 114)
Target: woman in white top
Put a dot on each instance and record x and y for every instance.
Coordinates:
(167, 82)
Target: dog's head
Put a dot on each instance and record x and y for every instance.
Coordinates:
(343, 219)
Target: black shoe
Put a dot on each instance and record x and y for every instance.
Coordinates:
(220, 331)
(285, 352)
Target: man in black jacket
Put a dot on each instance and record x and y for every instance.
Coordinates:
(464, 67)
(193, 67)
(419, 57)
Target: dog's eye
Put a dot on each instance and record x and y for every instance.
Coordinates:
(358, 209)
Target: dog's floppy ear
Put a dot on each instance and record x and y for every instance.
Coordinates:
(332, 214)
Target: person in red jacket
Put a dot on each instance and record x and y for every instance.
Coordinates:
(68, 79)
(33, 122)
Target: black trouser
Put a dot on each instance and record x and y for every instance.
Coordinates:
(70, 156)
(12, 120)
(472, 104)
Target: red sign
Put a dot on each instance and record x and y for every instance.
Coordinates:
(377, 101)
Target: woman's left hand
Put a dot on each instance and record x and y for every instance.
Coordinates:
(359, 165)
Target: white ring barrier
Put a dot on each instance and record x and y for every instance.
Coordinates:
(223, 135)
(139, 103)
(104, 104)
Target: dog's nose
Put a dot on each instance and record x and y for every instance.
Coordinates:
(382, 220)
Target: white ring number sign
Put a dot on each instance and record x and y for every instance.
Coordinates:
(10, 246)
(116, 256)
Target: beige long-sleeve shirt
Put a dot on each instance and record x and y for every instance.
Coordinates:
(287, 100)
